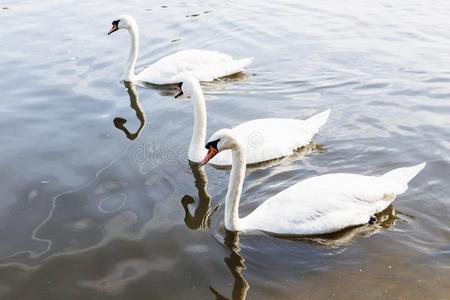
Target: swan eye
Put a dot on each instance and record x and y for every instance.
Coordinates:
(212, 144)
(180, 84)
(116, 23)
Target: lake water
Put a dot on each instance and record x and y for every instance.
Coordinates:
(87, 213)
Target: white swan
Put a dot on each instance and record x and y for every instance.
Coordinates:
(265, 139)
(317, 205)
(201, 64)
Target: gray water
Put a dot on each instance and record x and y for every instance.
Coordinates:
(92, 209)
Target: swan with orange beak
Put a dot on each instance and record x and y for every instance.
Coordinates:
(316, 205)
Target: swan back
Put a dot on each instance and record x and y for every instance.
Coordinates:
(268, 139)
(203, 65)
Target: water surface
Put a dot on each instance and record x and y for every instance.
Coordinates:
(96, 208)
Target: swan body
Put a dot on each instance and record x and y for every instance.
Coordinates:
(264, 139)
(204, 65)
(317, 205)
(269, 139)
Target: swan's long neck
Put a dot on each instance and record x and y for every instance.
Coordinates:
(197, 147)
(238, 165)
(129, 70)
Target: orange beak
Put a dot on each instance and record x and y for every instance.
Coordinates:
(211, 153)
(114, 28)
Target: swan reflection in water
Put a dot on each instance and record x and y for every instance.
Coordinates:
(136, 106)
(201, 218)
(236, 264)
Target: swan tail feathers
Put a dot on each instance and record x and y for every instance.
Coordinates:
(228, 69)
(318, 120)
(242, 63)
(405, 174)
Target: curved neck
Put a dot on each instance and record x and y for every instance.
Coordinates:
(237, 174)
(197, 147)
(129, 75)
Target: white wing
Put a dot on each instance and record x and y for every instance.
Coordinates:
(203, 65)
(324, 204)
(268, 139)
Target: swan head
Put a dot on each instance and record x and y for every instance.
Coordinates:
(223, 139)
(187, 87)
(125, 22)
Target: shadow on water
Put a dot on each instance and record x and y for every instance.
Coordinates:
(217, 84)
(136, 106)
(236, 263)
(385, 220)
(163, 90)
